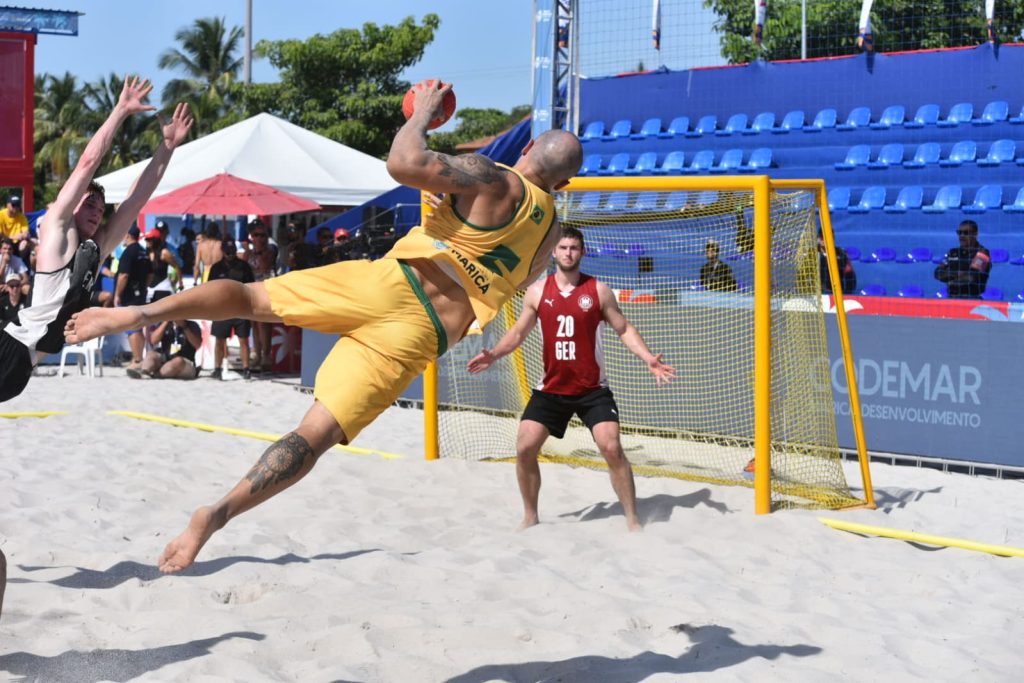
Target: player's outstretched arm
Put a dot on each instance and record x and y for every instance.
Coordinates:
(174, 133)
(663, 373)
(130, 102)
(516, 335)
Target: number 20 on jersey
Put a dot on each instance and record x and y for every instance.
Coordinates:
(565, 350)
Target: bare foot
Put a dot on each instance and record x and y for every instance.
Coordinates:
(528, 521)
(181, 552)
(634, 525)
(97, 322)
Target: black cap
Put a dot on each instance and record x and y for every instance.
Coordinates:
(134, 232)
(15, 200)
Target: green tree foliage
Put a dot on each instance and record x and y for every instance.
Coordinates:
(344, 85)
(832, 26)
(474, 124)
(61, 131)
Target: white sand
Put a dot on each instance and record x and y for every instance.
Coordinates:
(403, 570)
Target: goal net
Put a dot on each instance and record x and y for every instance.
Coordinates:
(747, 338)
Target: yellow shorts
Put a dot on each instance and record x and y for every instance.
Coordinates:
(389, 332)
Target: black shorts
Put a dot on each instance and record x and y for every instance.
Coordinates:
(221, 329)
(15, 366)
(555, 410)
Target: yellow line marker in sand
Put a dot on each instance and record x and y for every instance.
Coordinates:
(927, 539)
(29, 413)
(264, 436)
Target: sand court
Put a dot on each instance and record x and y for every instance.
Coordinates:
(375, 569)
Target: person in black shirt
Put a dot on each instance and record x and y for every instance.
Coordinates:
(716, 276)
(231, 268)
(174, 351)
(11, 299)
(966, 268)
(133, 269)
(847, 278)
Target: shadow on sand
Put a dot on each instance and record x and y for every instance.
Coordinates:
(657, 508)
(110, 665)
(713, 648)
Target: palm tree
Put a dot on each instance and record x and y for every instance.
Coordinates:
(135, 138)
(62, 126)
(208, 56)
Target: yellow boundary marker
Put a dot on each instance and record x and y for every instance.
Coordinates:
(927, 539)
(264, 436)
(28, 413)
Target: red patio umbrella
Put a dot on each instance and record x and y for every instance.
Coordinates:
(224, 195)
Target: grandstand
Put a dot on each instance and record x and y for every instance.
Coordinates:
(906, 155)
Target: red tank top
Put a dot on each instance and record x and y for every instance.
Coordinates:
(573, 362)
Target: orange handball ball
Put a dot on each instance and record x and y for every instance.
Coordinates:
(448, 104)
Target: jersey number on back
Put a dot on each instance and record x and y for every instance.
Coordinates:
(565, 350)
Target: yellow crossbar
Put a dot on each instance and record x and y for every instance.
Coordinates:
(927, 539)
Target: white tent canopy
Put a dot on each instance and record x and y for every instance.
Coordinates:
(271, 151)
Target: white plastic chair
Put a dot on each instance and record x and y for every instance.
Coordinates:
(89, 354)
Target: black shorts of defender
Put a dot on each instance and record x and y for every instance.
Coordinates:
(221, 329)
(555, 410)
(15, 366)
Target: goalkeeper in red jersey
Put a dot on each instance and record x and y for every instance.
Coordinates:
(571, 306)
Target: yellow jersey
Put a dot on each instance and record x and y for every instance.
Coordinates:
(490, 263)
(12, 225)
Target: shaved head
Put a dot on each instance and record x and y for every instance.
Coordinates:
(556, 156)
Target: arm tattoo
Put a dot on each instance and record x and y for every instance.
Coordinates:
(468, 170)
(280, 462)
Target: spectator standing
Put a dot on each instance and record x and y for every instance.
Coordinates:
(966, 267)
(133, 271)
(262, 258)
(231, 268)
(173, 353)
(187, 250)
(716, 276)
(165, 273)
(847, 278)
(208, 252)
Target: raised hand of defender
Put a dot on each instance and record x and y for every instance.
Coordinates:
(481, 361)
(178, 127)
(133, 95)
(663, 373)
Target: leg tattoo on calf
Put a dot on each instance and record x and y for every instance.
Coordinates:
(280, 462)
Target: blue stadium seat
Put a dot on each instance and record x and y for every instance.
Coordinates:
(858, 155)
(873, 198)
(853, 253)
(1019, 261)
(591, 165)
(701, 161)
(622, 129)
(873, 290)
(838, 198)
(617, 201)
(793, 120)
(672, 164)
(764, 121)
(927, 115)
(910, 292)
(650, 129)
(823, 120)
(645, 164)
(998, 152)
(677, 200)
(1019, 118)
(737, 123)
(730, 161)
(707, 197)
(648, 201)
(591, 202)
(890, 155)
(962, 112)
(617, 166)
(1018, 203)
(948, 197)
(992, 294)
(999, 255)
(892, 115)
(963, 151)
(705, 126)
(760, 158)
(987, 197)
(994, 112)
(916, 255)
(927, 153)
(943, 292)
(859, 117)
(593, 131)
(679, 126)
(879, 255)
(909, 198)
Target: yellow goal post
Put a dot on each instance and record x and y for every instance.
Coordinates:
(780, 221)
